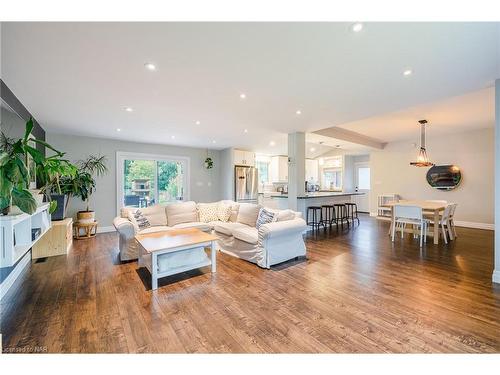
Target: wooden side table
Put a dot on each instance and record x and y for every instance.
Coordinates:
(57, 241)
(89, 230)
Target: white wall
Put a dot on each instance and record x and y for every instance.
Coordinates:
(496, 272)
(204, 184)
(472, 151)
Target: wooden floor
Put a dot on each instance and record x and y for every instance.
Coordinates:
(356, 292)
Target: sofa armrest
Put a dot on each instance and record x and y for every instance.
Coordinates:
(124, 227)
(282, 228)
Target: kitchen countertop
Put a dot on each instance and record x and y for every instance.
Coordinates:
(319, 194)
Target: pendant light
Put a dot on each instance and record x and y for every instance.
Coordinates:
(422, 160)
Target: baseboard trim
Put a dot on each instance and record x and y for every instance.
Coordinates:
(472, 224)
(106, 229)
(496, 277)
(16, 272)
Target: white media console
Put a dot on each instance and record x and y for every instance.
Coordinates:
(18, 233)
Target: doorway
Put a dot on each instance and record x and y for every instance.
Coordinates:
(362, 183)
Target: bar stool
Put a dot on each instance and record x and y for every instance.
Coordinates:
(328, 214)
(317, 217)
(341, 214)
(352, 212)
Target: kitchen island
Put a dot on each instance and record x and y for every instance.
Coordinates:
(314, 199)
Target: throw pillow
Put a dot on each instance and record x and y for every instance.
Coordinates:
(139, 220)
(265, 216)
(248, 213)
(224, 211)
(208, 212)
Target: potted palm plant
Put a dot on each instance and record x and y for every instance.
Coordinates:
(82, 183)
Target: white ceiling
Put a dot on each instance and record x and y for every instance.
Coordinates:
(77, 77)
(461, 113)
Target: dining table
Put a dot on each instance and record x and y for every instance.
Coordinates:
(429, 208)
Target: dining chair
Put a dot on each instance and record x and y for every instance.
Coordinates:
(412, 215)
(451, 219)
(444, 223)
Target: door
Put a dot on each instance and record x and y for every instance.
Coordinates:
(362, 179)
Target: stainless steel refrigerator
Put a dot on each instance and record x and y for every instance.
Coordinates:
(246, 184)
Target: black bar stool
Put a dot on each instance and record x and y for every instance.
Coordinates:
(341, 214)
(352, 212)
(328, 213)
(317, 217)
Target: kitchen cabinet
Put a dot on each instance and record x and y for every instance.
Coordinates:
(278, 169)
(312, 174)
(246, 158)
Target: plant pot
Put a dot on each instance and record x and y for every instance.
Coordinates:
(60, 212)
(38, 197)
(86, 216)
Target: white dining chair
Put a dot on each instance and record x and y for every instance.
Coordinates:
(409, 215)
(444, 223)
(451, 221)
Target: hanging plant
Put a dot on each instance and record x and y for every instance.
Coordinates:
(209, 163)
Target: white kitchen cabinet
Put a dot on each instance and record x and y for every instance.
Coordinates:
(312, 174)
(278, 169)
(246, 158)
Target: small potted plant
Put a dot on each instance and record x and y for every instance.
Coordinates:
(82, 184)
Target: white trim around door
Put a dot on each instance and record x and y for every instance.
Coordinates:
(121, 156)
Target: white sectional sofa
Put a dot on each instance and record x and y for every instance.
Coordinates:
(272, 243)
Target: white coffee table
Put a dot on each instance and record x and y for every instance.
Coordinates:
(152, 245)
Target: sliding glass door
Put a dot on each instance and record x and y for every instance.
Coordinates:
(145, 180)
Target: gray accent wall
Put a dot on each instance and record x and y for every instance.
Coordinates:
(204, 184)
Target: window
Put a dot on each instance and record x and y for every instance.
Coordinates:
(263, 168)
(146, 180)
(364, 178)
(332, 178)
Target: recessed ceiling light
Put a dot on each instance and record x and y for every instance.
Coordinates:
(408, 72)
(312, 149)
(272, 143)
(245, 131)
(198, 122)
(172, 136)
(243, 96)
(118, 130)
(298, 112)
(357, 27)
(150, 66)
(128, 109)
(214, 141)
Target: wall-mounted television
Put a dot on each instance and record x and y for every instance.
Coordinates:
(444, 177)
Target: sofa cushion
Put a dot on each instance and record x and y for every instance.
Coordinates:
(248, 213)
(265, 216)
(227, 228)
(205, 227)
(154, 229)
(208, 212)
(138, 220)
(284, 215)
(184, 212)
(234, 209)
(125, 211)
(224, 211)
(155, 214)
(246, 234)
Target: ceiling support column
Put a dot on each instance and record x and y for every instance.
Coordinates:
(496, 271)
(296, 167)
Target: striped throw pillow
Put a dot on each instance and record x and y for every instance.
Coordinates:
(265, 216)
(140, 219)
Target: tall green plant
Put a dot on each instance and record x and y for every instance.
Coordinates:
(82, 183)
(14, 174)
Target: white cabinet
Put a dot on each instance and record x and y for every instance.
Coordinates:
(244, 158)
(278, 169)
(312, 171)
